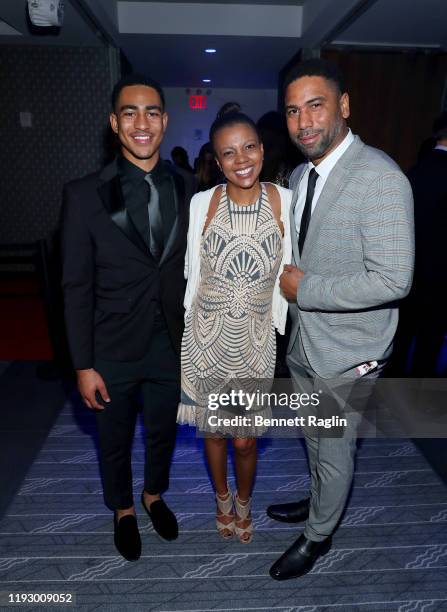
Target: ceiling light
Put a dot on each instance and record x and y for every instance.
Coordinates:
(206, 80)
(210, 50)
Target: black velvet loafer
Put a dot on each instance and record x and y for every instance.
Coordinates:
(163, 519)
(294, 512)
(127, 537)
(299, 559)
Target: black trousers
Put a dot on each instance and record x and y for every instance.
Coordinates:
(421, 317)
(430, 328)
(156, 378)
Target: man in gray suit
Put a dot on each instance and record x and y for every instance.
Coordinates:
(353, 251)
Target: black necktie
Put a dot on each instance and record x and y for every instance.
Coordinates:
(307, 211)
(155, 220)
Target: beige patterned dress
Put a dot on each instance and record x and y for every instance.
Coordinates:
(229, 340)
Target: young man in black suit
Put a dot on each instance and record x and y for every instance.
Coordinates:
(123, 242)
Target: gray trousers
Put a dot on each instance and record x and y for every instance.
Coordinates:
(331, 452)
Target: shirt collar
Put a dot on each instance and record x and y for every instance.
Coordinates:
(159, 171)
(324, 168)
(129, 170)
(132, 172)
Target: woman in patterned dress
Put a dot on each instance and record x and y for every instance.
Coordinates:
(238, 242)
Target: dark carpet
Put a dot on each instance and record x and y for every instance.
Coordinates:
(390, 553)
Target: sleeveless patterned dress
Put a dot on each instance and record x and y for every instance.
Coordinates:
(229, 340)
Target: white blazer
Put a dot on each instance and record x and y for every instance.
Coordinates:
(197, 217)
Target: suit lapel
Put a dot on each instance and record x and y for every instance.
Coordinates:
(110, 192)
(179, 200)
(332, 187)
(293, 234)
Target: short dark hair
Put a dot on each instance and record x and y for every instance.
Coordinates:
(228, 119)
(179, 153)
(440, 126)
(136, 79)
(316, 67)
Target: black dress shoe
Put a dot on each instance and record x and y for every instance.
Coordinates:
(127, 537)
(294, 512)
(163, 519)
(299, 558)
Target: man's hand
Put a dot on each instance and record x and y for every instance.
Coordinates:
(90, 382)
(289, 281)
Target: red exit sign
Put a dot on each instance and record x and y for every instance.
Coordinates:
(197, 102)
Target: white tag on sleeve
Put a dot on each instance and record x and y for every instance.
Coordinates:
(364, 368)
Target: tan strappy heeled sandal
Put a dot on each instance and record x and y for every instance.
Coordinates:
(243, 512)
(225, 509)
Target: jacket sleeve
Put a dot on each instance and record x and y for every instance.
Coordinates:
(280, 304)
(198, 210)
(192, 250)
(189, 239)
(387, 233)
(77, 280)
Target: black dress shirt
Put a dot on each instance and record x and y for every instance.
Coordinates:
(136, 195)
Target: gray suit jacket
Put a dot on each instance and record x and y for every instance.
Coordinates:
(357, 261)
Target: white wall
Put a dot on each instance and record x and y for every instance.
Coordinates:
(189, 128)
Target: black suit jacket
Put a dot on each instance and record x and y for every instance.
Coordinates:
(429, 183)
(112, 285)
